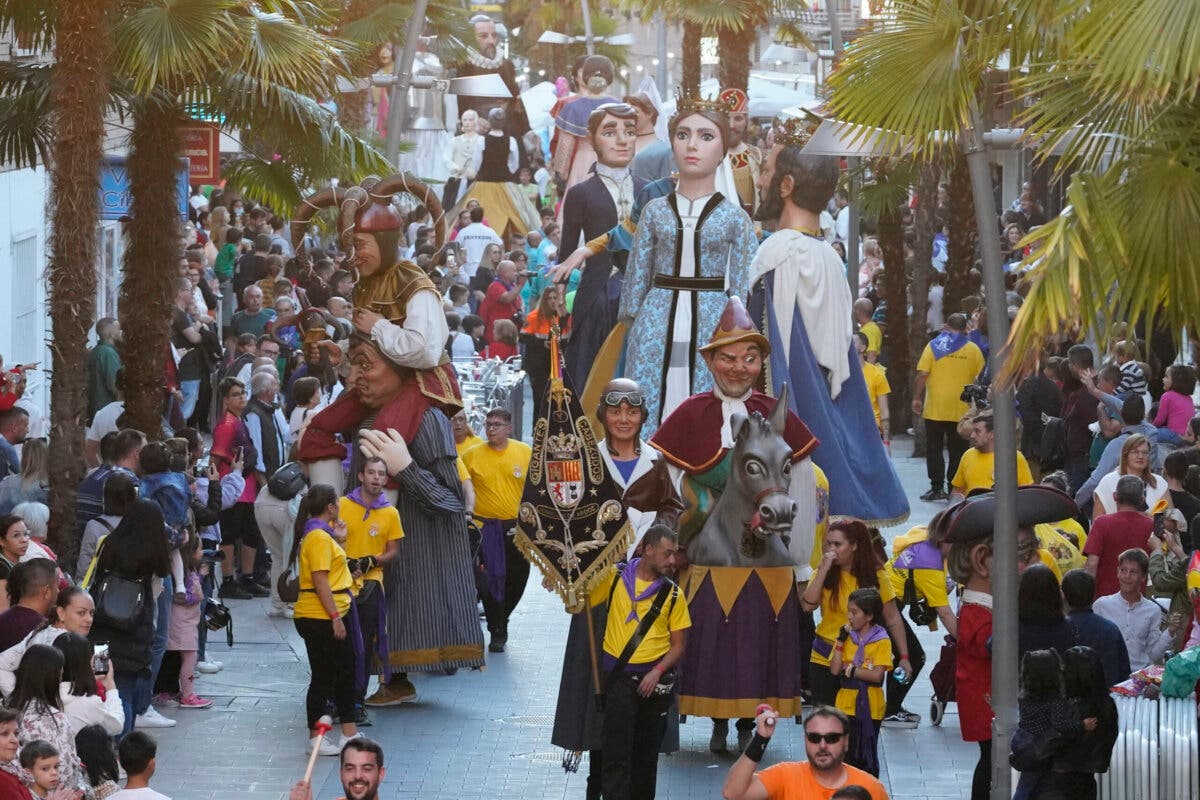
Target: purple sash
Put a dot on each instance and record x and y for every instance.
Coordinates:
(863, 740)
(354, 634)
(492, 549)
(921, 555)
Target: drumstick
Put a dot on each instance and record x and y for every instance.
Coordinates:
(761, 709)
(324, 725)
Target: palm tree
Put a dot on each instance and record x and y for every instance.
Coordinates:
(961, 247)
(79, 92)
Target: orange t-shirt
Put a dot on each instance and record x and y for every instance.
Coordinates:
(794, 780)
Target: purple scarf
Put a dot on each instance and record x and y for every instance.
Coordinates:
(863, 739)
(629, 581)
(317, 522)
(380, 502)
(491, 547)
(946, 343)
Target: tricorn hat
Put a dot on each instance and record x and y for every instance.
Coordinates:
(974, 518)
(736, 99)
(735, 326)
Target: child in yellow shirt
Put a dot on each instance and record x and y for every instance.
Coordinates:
(862, 657)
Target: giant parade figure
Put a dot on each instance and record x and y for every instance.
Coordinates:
(803, 303)
(752, 509)
(590, 209)
(692, 248)
(485, 59)
(494, 163)
(745, 160)
(573, 154)
(399, 394)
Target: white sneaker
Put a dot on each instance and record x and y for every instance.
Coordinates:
(153, 719)
(284, 611)
(329, 747)
(209, 667)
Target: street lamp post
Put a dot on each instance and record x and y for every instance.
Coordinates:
(587, 29)
(398, 115)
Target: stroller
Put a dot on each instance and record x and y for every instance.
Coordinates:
(942, 678)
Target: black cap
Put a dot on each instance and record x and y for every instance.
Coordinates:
(974, 519)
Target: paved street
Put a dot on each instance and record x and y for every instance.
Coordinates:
(481, 734)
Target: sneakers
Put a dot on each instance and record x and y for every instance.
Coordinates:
(393, 694)
(209, 667)
(255, 589)
(329, 747)
(933, 495)
(498, 641)
(902, 719)
(195, 701)
(153, 719)
(282, 610)
(720, 732)
(165, 700)
(360, 717)
(232, 590)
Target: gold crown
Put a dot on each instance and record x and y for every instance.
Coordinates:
(688, 102)
(792, 132)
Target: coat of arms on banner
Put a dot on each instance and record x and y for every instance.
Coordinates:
(564, 470)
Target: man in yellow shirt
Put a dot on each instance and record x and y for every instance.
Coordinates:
(977, 468)
(498, 470)
(639, 684)
(878, 387)
(948, 363)
(863, 311)
(464, 438)
(373, 535)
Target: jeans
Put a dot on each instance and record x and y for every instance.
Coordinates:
(162, 624)
(896, 691)
(331, 662)
(939, 434)
(633, 731)
(191, 393)
(130, 687)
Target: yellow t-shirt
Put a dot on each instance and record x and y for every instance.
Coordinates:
(878, 654)
(947, 377)
(1065, 554)
(463, 473)
(929, 583)
(498, 477)
(977, 470)
(877, 386)
(369, 537)
(657, 641)
(874, 337)
(467, 443)
(833, 617)
(814, 560)
(319, 552)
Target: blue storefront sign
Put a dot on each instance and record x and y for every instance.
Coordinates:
(115, 197)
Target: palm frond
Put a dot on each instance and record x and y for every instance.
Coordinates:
(26, 131)
(272, 183)
(932, 77)
(273, 48)
(165, 42)
(30, 22)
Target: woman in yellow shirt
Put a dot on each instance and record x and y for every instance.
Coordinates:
(321, 612)
(847, 563)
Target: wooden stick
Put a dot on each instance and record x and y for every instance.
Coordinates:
(591, 626)
(324, 725)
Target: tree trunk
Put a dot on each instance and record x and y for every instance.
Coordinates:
(150, 273)
(78, 93)
(923, 224)
(690, 81)
(895, 338)
(733, 70)
(961, 250)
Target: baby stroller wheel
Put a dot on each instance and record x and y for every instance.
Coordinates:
(937, 709)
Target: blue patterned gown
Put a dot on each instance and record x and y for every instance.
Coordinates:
(685, 257)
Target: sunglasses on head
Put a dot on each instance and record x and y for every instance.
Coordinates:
(828, 738)
(634, 399)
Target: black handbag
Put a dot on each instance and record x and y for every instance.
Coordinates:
(1033, 752)
(120, 602)
(288, 481)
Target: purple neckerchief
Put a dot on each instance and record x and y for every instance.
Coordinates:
(628, 580)
(356, 496)
(946, 343)
(863, 740)
(317, 522)
(921, 555)
(491, 547)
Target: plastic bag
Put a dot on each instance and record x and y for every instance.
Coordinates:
(1181, 673)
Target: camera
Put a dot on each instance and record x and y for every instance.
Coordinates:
(527, 274)
(974, 393)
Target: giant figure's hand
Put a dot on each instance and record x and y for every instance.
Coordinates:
(389, 446)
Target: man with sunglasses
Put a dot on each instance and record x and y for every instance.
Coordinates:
(826, 741)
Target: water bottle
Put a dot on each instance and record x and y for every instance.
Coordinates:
(900, 675)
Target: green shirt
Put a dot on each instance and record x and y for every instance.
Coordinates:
(102, 365)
